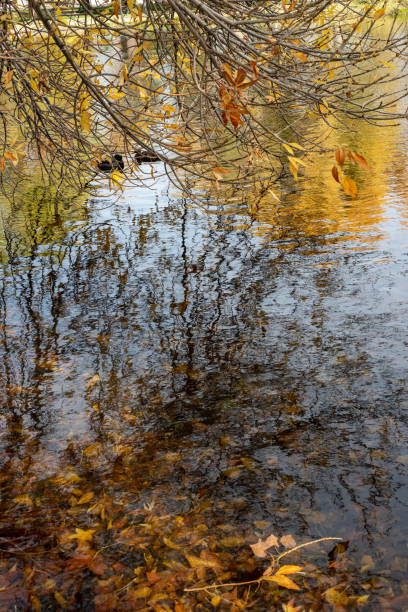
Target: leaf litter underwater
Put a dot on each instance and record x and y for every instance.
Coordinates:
(191, 396)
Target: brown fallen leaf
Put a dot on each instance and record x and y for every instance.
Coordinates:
(288, 541)
(259, 549)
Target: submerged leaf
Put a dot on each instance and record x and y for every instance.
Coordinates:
(259, 549)
(288, 541)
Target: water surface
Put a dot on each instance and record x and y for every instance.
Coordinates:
(217, 368)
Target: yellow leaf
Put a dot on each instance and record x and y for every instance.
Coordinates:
(288, 148)
(215, 601)
(130, 5)
(289, 569)
(171, 544)
(92, 449)
(86, 498)
(198, 562)
(142, 593)
(117, 178)
(387, 64)
(349, 186)
(336, 597)
(85, 120)
(158, 597)
(60, 599)
(116, 6)
(82, 535)
(290, 607)
(300, 55)
(296, 161)
(379, 13)
(117, 95)
(294, 170)
(95, 379)
(283, 581)
(297, 146)
(24, 499)
(140, 13)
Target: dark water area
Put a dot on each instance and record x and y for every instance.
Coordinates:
(216, 373)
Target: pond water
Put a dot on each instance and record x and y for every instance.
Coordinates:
(186, 375)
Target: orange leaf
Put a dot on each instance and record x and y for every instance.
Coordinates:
(361, 161)
(219, 172)
(349, 186)
(9, 76)
(254, 69)
(340, 156)
(335, 174)
(241, 74)
(379, 13)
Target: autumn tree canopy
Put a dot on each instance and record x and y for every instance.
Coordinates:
(207, 86)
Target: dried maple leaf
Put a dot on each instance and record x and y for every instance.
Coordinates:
(259, 549)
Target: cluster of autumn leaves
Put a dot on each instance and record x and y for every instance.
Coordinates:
(230, 93)
(348, 184)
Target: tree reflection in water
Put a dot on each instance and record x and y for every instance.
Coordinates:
(181, 366)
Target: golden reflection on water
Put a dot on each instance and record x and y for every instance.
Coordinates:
(315, 206)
